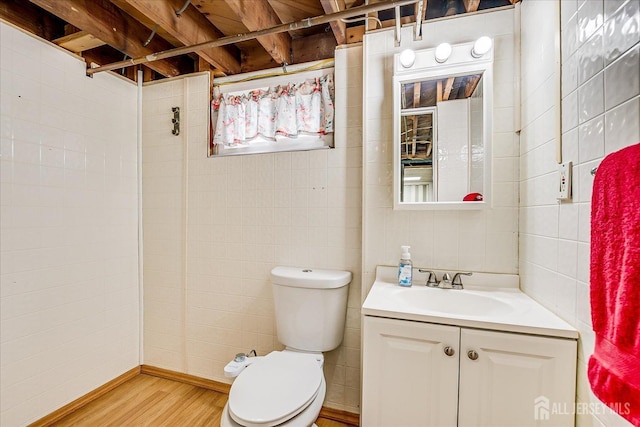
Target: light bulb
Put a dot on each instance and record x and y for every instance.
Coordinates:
(481, 47)
(407, 58)
(443, 51)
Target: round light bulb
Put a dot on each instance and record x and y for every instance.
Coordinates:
(407, 58)
(481, 47)
(443, 51)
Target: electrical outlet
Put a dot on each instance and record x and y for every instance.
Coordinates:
(564, 181)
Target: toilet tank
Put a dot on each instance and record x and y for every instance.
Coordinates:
(310, 307)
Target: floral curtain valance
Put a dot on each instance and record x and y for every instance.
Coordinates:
(291, 110)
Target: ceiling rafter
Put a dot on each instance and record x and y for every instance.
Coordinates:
(258, 15)
(472, 5)
(191, 27)
(338, 27)
(233, 36)
(108, 23)
(447, 89)
(30, 18)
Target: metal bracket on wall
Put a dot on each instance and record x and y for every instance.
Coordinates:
(176, 120)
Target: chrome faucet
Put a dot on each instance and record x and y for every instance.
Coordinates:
(432, 280)
(456, 283)
(445, 283)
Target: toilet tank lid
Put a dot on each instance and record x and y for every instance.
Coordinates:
(310, 277)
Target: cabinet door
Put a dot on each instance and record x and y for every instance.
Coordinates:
(408, 380)
(516, 380)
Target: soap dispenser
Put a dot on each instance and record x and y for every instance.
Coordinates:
(405, 268)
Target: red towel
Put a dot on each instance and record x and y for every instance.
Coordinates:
(614, 367)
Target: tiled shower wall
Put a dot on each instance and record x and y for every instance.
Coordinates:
(485, 240)
(68, 197)
(600, 114)
(215, 227)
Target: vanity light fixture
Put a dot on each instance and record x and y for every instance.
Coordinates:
(407, 58)
(443, 51)
(481, 46)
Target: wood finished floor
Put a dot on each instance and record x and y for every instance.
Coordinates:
(151, 401)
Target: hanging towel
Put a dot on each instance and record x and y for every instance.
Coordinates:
(614, 367)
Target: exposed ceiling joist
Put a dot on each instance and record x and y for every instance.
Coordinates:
(191, 27)
(472, 5)
(447, 89)
(108, 23)
(30, 18)
(79, 42)
(305, 23)
(313, 48)
(338, 27)
(258, 15)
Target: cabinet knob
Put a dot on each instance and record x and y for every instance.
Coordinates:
(449, 351)
(472, 354)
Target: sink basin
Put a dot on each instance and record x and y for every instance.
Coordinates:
(489, 301)
(452, 301)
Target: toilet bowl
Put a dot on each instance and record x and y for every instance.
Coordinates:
(287, 388)
(283, 388)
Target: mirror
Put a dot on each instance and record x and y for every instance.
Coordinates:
(442, 132)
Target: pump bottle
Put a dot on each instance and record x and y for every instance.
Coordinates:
(405, 268)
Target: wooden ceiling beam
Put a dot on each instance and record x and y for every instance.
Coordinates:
(259, 15)
(108, 23)
(471, 85)
(338, 27)
(472, 5)
(447, 89)
(79, 42)
(417, 89)
(313, 48)
(31, 18)
(190, 28)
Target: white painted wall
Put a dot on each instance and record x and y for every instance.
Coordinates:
(215, 227)
(68, 196)
(452, 240)
(600, 114)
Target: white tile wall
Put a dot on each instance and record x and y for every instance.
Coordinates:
(215, 227)
(68, 197)
(456, 240)
(600, 114)
(163, 187)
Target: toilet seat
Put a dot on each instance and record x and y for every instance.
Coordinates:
(275, 389)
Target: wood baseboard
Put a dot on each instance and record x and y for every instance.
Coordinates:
(329, 413)
(185, 378)
(344, 417)
(67, 409)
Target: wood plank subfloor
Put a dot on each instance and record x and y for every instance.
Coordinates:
(151, 401)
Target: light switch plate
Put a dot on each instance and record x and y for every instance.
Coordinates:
(564, 181)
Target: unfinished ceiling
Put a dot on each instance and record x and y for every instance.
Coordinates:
(105, 32)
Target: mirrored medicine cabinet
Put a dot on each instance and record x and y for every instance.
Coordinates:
(442, 128)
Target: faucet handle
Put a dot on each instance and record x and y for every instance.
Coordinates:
(432, 279)
(457, 280)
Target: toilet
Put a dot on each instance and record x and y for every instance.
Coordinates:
(287, 388)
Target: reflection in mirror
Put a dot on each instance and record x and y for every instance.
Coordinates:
(441, 139)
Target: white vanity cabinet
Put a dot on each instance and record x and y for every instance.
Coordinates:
(408, 380)
(424, 374)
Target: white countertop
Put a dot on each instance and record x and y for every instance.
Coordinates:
(507, 308)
